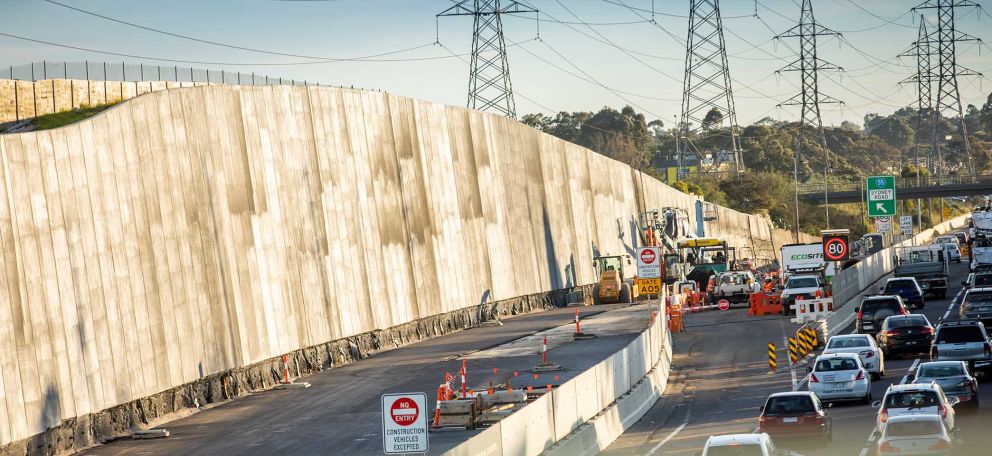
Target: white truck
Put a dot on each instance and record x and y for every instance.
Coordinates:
(981, 258)
(805, 258)
(982, 229)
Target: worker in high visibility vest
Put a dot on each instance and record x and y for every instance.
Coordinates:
(769, 285)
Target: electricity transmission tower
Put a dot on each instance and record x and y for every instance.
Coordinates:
(707, 86)
(922, 52)
(943, 45)
(809, 98)
(489, 87)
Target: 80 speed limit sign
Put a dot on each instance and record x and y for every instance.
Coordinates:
(835, 248)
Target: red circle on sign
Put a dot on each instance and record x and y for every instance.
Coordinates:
(835, 249)
(647, 256)
(724, 304)
(404, 411)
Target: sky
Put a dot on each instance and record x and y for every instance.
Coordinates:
(590, 54)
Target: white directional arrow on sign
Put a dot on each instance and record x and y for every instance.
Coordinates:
(881, 208)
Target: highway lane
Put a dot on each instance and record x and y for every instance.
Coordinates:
(719, 384)
(340, 413)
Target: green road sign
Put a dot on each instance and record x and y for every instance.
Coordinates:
(881, 196)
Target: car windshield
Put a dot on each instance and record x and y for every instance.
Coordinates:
(899, 286)
(848, 342)
(983, 279)
(836, 364)
(911, 399)
(801, 282)
(735, 450)
(959, 334)
(871, 305)
(978, 299)
(904, 322)
(911, 428)
(940, 371)
(788, 404)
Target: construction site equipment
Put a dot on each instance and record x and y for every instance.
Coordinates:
(763, 303)
(612, 286)
(706, 256)
(460, 413)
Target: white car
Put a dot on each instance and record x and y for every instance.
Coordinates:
(915, 399)
(862, 345)
(840, 376)
(916, 435)
(740, 444)
(949, 239)
(952, 252)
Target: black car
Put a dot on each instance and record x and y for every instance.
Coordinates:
(905, 334)
(962, 237)
(875, 309)
(907, 289)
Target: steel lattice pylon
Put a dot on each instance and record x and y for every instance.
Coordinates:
(922, 52)
(489, 87)
(707, 83)
(942, 44)
(809, 98)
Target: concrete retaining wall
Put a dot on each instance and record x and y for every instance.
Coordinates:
(27, 99)
(192, 232)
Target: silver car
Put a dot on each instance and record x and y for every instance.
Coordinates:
(962, 340)
(915, 399)
(953, 378)
(840, 376)
(862, 345)
(916, 435)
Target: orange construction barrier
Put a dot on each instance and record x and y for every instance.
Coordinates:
(675, 322)
(765, 304)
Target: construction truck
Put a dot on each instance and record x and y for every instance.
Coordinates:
(706, 258)
(613, 285)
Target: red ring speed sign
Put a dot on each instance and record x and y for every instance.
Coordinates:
(835, 249)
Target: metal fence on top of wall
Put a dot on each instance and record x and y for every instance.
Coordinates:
(37, 89)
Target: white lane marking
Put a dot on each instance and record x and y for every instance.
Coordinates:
(864, 452)
(950, 306)
(912, 368)
(669, 437)
(874, 436)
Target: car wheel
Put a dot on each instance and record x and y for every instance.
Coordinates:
(875, 375)
(625, 294)
(943, 295)
(867, 399)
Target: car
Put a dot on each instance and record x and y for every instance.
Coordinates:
(952, 252)
(962, 340)
(740, 445)
(873, 310)
(907, 289)
(915, 399)
(795, 414)
(946, 239)
(976, 304)
(953, 377)
(978, 279)
(734, 286)
(863, 346)
(962, 237)
(911, 333)
(800, 286)
(916, 435)
(840, 376)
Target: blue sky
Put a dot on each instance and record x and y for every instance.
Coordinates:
(351, 28)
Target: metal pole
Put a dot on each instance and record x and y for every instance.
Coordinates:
(34, 91)
(795, 176)
(863, 220)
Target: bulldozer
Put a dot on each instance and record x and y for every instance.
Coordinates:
(613, 285)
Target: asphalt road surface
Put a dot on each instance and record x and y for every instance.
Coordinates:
(720, 381)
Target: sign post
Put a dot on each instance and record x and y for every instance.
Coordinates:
(881, 196)
(404, 423)
(649, 270)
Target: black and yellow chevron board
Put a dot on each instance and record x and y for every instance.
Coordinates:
(793, 350)
(772, 357)
(812, 337)
(804, 348)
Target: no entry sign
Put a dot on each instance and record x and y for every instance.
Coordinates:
(723, 304)
(404, 423)
(648, 263)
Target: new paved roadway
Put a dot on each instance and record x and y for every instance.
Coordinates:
(720, 382)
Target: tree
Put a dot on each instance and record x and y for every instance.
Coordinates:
(713, 119)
